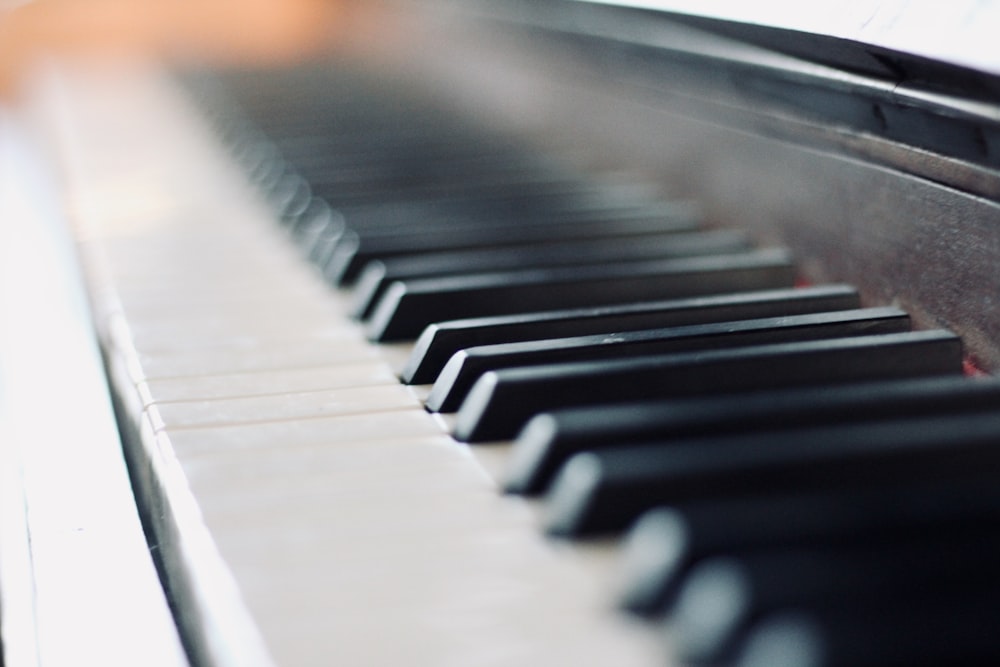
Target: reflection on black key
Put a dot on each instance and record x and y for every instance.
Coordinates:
(454, 179)
(409, 306)
(440, 341)
(356, 249)
(513, 194)
(607, 490)
(960, 629)
(722, 597)
(317, 220)
(666, 541)
(378, 275)
(502, 401)
(469, 365)
(290, 198)
(536, 202)
(548, 440)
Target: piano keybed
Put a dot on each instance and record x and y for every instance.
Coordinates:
(307, 508)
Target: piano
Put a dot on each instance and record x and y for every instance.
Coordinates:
(550, 332)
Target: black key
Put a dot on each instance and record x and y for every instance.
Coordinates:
(356, 249)
(955, 630)
(722, 597)
(263, 164)
(408, 307)
(378, 171)
(469, 365)
(414, 166)
(325, 240)
(605, 491)
(502, 401)
(440, 341)
(289, 198)
(315, 219)
(516, 190)
(539, 201)
(367, 169)
(548, 440)
(257, 155)
(378, 275)
(665, 542)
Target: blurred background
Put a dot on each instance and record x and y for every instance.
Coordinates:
(222, 32)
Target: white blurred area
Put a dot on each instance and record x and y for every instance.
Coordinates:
(960, 32)
(63, 484)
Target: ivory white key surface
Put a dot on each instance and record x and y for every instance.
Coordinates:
(314, 512)
(262, 383)
(233, 357)
(297, 405)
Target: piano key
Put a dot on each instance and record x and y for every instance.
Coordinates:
(554, 196)
(325, 240)
(960, 630)
(262, 355)
(408, 307)
(441, 340)
(377, 175)
(356, 187)
(314, 147)
(337, 131)
(665, 542)
(405, 164)
(409, 159)
(190, 413)
(501, 402)
(467, 366)
(266, 168)
(289, 198)
(723, 596)
(284, 504)
(548, 440)
(363, 508)
(378, 275)
(262, 383)
(355, 249)
(607, 490)
(523, 195)
(282, 535)
(330, 137)
(316, 220)
(255, 154)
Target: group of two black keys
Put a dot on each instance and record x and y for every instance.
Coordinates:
(813, 478)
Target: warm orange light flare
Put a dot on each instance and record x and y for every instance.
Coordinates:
(215, 31)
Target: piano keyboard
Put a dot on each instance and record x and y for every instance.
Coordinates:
(309, 508)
